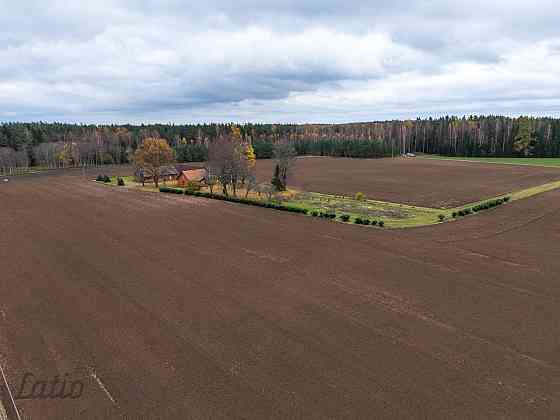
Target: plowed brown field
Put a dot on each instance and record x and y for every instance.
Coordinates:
(173, 307)
(420, 182)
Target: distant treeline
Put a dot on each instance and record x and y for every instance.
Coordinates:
(62, 145)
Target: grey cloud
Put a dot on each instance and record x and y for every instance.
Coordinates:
(117, 59)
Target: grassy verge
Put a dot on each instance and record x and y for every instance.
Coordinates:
(529, 192)
(548, 162)
(392, 214)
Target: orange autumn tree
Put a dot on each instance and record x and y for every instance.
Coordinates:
(152, 156)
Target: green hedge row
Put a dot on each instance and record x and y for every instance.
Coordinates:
(103, 178)
(482, 206)
(324, 215)
(170, 190)
(291, 209)
(360, 221)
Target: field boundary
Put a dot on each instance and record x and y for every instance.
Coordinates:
(416, 216)
(488, 162)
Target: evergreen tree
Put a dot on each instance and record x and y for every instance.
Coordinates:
(525, 139)
(276, 179)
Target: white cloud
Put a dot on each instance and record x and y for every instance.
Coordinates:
(276, 61)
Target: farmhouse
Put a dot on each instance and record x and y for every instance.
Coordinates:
(191, 175)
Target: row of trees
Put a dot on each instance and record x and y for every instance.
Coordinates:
(62, 145)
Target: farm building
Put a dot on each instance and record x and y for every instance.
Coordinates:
(168, 173)
(191, 175)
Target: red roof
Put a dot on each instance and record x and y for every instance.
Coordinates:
(195, 175)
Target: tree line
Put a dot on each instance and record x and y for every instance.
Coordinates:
(55, 145)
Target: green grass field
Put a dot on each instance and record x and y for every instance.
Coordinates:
(394, 215)
(552, 162)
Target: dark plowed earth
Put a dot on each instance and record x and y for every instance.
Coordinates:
(173, 307)
(421, 182)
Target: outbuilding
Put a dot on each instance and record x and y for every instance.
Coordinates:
(191, 175)
(167, 173)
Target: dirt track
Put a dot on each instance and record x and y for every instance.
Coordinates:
(188, 308)
(421, 182)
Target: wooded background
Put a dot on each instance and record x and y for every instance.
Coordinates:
(55, 145)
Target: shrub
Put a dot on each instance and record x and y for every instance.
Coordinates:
(454, 215)
(374, 222)
(100, 178)
(170, 190)
(314, 213)
(345, 217)
(499, 201)
(120, 182)
(358, 221)
(441, 217)
(506, 199)
(366, 222)
(193, 186)
(381, 223)
(360, 196)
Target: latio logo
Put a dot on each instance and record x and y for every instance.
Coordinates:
(56, 388)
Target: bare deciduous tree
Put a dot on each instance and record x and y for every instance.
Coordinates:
(227, 161)
(250, 183)
(285, 156)
(267, 189)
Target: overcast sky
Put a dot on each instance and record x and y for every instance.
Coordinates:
(276, 61)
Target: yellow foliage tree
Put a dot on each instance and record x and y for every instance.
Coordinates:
(250, 156)
(236, 132)
(152, 156)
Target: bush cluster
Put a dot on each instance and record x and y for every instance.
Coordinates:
(345, 217)
(103, 178)
(120, 182)
(324, 215)
(360, 221)
(480, 207)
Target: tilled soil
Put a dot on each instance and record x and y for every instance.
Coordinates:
(416, 181)
(174, 307)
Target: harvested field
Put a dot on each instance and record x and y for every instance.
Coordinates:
(172, 307)
(420, 182)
